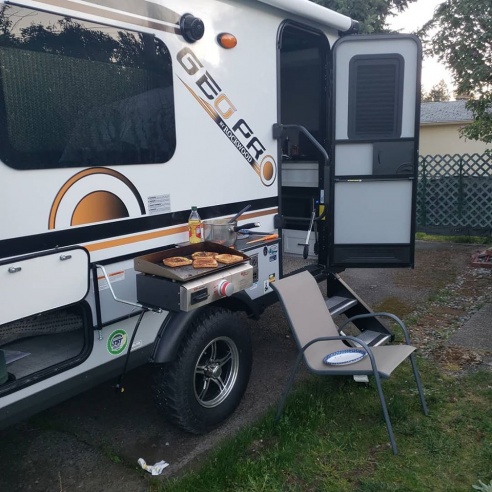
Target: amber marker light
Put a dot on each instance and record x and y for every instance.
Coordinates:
(227, 40)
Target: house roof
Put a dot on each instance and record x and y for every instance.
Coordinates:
(436, 113)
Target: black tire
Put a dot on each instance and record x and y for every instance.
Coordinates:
(206, 381)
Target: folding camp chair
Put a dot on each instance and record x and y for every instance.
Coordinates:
(317, 336)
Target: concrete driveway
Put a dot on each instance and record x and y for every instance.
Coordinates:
(93, 441)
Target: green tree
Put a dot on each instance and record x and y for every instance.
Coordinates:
(438, 92)
(460, 35)
(371, 14)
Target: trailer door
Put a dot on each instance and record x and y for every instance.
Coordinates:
(372, 186)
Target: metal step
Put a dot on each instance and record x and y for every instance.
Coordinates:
(372, 338)
(338, 305)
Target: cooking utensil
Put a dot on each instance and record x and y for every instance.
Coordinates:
(248, 232)
(223, 232)
(264, 238)
(305, 251)
(238, 228)
(234, 219)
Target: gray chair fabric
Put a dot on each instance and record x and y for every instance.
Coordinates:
(317, 335)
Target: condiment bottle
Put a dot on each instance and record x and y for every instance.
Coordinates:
(195, 226)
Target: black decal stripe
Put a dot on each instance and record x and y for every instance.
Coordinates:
(128, 11)
(231, 136)
(144, 9)
(111, 230)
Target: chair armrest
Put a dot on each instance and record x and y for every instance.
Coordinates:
(382, 314)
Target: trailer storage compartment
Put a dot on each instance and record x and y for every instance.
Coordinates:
(43, 281)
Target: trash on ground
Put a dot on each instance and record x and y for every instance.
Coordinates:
(153, 469)
(482, 259)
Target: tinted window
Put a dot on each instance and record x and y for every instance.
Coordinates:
(77, 94)
(376, 89)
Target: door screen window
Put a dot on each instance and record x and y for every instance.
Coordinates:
(375, 95)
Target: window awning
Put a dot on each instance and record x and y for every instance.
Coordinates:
(317, 13)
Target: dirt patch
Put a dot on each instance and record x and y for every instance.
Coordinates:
(394, 305)
(456, 358)
(258, 446)
(435, 298)
(448, 310)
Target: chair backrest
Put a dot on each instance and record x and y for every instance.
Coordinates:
(305, 308)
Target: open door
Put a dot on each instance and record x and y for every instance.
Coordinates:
(303, 63)
(42, 282)
(371, 192)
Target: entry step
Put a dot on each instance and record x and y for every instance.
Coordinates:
(372, 338)
(338, 304)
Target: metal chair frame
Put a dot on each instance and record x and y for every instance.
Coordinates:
(352, 369)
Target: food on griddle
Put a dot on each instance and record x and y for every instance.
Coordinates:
(205, 262)
(176, 261)
(227, 259)
(204, 254)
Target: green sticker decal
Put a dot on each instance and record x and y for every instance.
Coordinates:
(117, 342)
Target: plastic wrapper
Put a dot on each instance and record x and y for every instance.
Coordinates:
(155, 469)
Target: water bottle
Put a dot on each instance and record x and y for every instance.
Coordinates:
(195, 227)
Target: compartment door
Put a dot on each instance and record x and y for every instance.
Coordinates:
(41, 282)
(372, 186)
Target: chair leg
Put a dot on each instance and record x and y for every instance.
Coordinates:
(419, 384)
(385, 413)
(288, 387)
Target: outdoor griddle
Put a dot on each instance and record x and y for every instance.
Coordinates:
(152, 263)
(184, 288)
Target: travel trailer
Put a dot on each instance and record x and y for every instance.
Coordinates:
(117, 116)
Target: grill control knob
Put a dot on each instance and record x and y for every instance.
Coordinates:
(225, 289)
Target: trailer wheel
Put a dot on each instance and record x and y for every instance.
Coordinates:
(206, 381)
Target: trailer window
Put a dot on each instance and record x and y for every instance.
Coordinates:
(78, 94)
(375, 96)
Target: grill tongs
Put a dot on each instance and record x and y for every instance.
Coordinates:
(305, 251)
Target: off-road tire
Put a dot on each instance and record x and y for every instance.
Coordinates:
(206, 381)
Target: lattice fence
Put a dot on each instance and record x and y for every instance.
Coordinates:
(454, 194)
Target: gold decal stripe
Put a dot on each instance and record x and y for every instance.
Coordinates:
(204, 104)
(82, 174)
(113, 243)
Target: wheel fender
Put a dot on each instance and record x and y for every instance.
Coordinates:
(177, 323)
(170, 335)
(240, 302)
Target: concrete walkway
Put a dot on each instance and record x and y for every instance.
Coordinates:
(476, 333)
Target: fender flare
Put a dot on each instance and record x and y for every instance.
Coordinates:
(176, 324)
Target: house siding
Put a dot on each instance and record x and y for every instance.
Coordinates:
(444, 139)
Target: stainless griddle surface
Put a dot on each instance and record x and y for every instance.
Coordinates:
(152, 263)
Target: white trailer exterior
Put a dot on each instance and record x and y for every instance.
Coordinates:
(116, 116)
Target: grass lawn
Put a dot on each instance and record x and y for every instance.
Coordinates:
(454, 239)
(332, 437)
